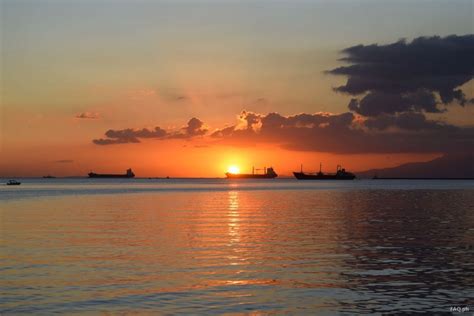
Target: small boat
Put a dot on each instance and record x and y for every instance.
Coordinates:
(13, 182)
(341, 174)
(49, 177)
(268, 173)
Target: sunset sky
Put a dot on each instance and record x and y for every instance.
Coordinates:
(189, 88)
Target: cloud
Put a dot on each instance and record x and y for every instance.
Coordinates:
(114, 141)
(346, 133)
(393, 86)
(406, 121)
(376, 103)
(194, 127)
(129, 135)
(136, 133)
(408, 76)
(87, 115)
(225, 132)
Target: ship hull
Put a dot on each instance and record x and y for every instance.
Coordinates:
(250, 176)
(306, 176)
(96, 175)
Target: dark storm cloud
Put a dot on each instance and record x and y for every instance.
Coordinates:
(345, 133)
(406, 121)
(404, 76)
(377, 103)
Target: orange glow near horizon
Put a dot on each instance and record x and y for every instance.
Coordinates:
(150, 160)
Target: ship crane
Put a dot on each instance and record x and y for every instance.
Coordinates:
(259, 169)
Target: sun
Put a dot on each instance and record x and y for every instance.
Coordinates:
(233, 169)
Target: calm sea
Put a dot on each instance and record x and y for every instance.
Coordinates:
(218, 246)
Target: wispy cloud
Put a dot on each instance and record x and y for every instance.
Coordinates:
(87, 115)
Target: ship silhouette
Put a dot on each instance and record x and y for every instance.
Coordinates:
(341, 174)
(13, 182)
(128, 174)
(268, 173)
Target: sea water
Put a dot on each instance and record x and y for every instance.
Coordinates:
(205, 246)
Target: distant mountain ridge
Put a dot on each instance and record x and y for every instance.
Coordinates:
(447, 166)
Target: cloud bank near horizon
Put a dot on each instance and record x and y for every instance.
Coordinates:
(345, 133)
(393, 86)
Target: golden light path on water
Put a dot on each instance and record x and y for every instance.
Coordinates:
(191, 247)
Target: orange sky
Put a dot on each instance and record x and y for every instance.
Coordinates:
(181, 159)
(135, 66)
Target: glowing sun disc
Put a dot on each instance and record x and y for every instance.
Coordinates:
(233, 169)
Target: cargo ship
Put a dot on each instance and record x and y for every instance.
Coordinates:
(128, 174)
(341, 174)
(268, 173)
(13, 182)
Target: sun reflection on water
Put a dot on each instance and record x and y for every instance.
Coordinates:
(236, 251)
(233, 215)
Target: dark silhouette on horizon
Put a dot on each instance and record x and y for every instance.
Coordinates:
(13, 182)
(128, 174)
(268, 173)
(341, 174)
(449, 166)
